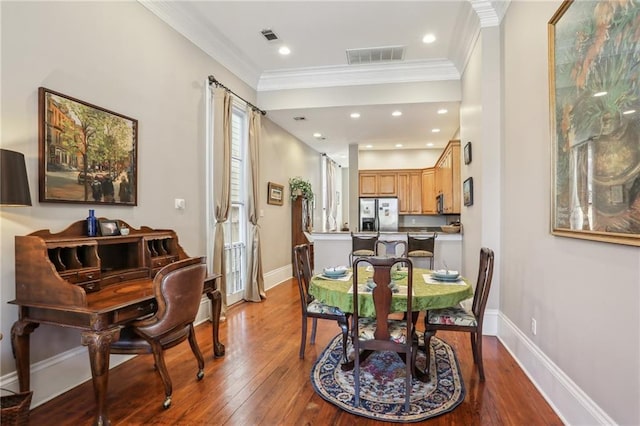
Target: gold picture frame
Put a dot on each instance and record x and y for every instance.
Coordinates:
(594, 49)
(275, 194)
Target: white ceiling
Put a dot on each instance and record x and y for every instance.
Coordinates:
(316, 82)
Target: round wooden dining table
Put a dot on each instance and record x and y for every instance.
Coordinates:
(428, 293)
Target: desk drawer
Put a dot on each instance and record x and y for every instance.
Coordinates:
(90, 286)
(121, 276)
(160, 261)
(135, 311)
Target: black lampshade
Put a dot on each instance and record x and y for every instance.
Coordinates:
(14, 185)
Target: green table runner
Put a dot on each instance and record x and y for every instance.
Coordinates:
(426, 296)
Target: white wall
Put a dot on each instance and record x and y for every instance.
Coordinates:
(282, 157)
(585, 296)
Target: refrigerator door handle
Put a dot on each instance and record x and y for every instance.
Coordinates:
(377, 216)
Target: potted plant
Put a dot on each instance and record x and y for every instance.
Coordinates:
(300, 187)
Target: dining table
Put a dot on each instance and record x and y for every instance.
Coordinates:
(428, 292)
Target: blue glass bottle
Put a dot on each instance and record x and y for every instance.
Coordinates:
(92, 224)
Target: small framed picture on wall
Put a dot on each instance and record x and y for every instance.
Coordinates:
(275, 194)
(467, 192)
(467, 153)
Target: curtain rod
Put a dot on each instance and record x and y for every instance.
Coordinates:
(324, 154)
(212, 80)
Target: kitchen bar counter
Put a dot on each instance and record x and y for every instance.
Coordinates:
(333, 248)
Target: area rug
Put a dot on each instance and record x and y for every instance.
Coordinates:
(382, 384)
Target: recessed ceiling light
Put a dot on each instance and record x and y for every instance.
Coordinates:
(317, 135)
(368, 146)
(355, 115)
(435, 130)
(631, 111)
(398, 145)
(284, 50)
(396, 113)
(442, 111)
(598, 94)
(428, 38)
(430, 144)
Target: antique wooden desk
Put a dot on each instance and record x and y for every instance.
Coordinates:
(95, 284)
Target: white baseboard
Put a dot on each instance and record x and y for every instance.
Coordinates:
(570, 403)
(56, 375)
(277, 276)
(490, 322)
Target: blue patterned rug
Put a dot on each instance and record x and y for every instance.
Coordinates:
(382, 383)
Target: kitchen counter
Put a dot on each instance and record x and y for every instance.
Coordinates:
(333, 248)
(401, 230)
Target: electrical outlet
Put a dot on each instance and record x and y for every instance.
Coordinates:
(533, 326)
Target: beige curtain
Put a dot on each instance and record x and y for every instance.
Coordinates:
(254, 291)
(223, 191)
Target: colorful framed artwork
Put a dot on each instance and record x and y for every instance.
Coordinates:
(594, 51)
(87, 154)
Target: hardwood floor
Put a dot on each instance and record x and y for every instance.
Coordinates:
(261, 380)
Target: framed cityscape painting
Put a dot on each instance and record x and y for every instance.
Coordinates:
(87, 154)
(594, 52)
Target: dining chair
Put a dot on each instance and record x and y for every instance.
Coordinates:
(178, 291)
(380, 333)
(362, 245)
(459, 318)
(312, 308)
(422, 246)
(391, 248)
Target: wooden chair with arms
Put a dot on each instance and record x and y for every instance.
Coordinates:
(312, 308)
(381, 333)
(391, 248)
(178, 291)
(421, 246)
(460, 319)
(362, 245)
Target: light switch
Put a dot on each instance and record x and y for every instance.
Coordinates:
(261, 212)
(180, 203)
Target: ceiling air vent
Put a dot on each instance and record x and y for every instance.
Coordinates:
(375, 54)
(269, 35)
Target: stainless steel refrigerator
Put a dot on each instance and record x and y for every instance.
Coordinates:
(378, 214)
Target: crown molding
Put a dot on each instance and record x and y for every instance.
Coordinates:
(212, 42)
(467, 30)
(490, 12)
(356, 75)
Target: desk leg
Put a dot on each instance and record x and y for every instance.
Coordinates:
(216, 308)
(99, 343)
(21, 346)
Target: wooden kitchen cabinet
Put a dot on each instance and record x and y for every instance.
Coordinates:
(378, 183)
(447, 178)
(429, 191)
(410, 192)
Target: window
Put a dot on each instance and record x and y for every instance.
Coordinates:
(236, 225)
